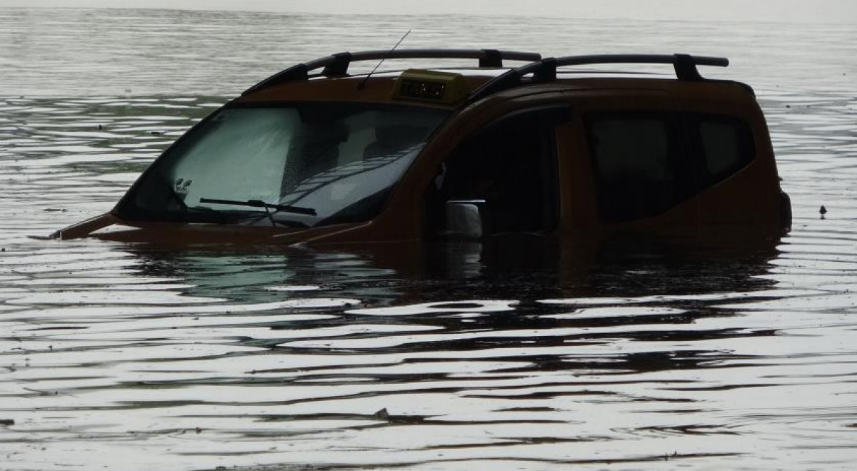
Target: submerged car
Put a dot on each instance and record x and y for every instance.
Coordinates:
(316, 155)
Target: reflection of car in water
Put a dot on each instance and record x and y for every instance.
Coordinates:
(460, 153)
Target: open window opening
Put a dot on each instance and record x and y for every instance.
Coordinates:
(501, 180)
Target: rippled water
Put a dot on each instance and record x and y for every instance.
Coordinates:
(538, 355)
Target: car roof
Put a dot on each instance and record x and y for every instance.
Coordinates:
(328, 77)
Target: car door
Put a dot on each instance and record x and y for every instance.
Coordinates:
(505, 174)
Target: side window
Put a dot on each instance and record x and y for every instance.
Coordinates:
(510, 166)
(726, 146)
(641, 168)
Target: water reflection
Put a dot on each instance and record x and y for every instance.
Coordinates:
(340, 351)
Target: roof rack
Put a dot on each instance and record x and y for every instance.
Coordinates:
(337, 64)
(545, 70)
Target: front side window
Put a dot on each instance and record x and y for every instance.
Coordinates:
(510, 168)
(302, 164)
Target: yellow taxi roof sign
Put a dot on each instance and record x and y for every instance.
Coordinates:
(430, 86)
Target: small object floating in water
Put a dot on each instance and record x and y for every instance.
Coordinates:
(822, 211)
(7, 422)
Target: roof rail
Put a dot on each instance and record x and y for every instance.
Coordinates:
(545, 69)
(337, 64)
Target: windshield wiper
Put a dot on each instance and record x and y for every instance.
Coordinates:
(261, 204)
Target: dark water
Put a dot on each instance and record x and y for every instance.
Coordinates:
(531, 355)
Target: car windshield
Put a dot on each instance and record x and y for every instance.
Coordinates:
(299, 165)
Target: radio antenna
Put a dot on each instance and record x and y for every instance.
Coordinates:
(362, 84)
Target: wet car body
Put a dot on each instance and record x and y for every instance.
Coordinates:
(332, 158)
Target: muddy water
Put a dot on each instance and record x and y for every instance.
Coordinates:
(514, 355)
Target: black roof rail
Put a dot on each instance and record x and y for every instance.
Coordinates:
(545, 69)
(337, 64)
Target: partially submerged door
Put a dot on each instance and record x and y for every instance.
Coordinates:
(500, 180)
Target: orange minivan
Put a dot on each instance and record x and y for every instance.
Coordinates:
(316, 155)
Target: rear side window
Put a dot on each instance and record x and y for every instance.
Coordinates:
(640, 165)
(726, 146)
